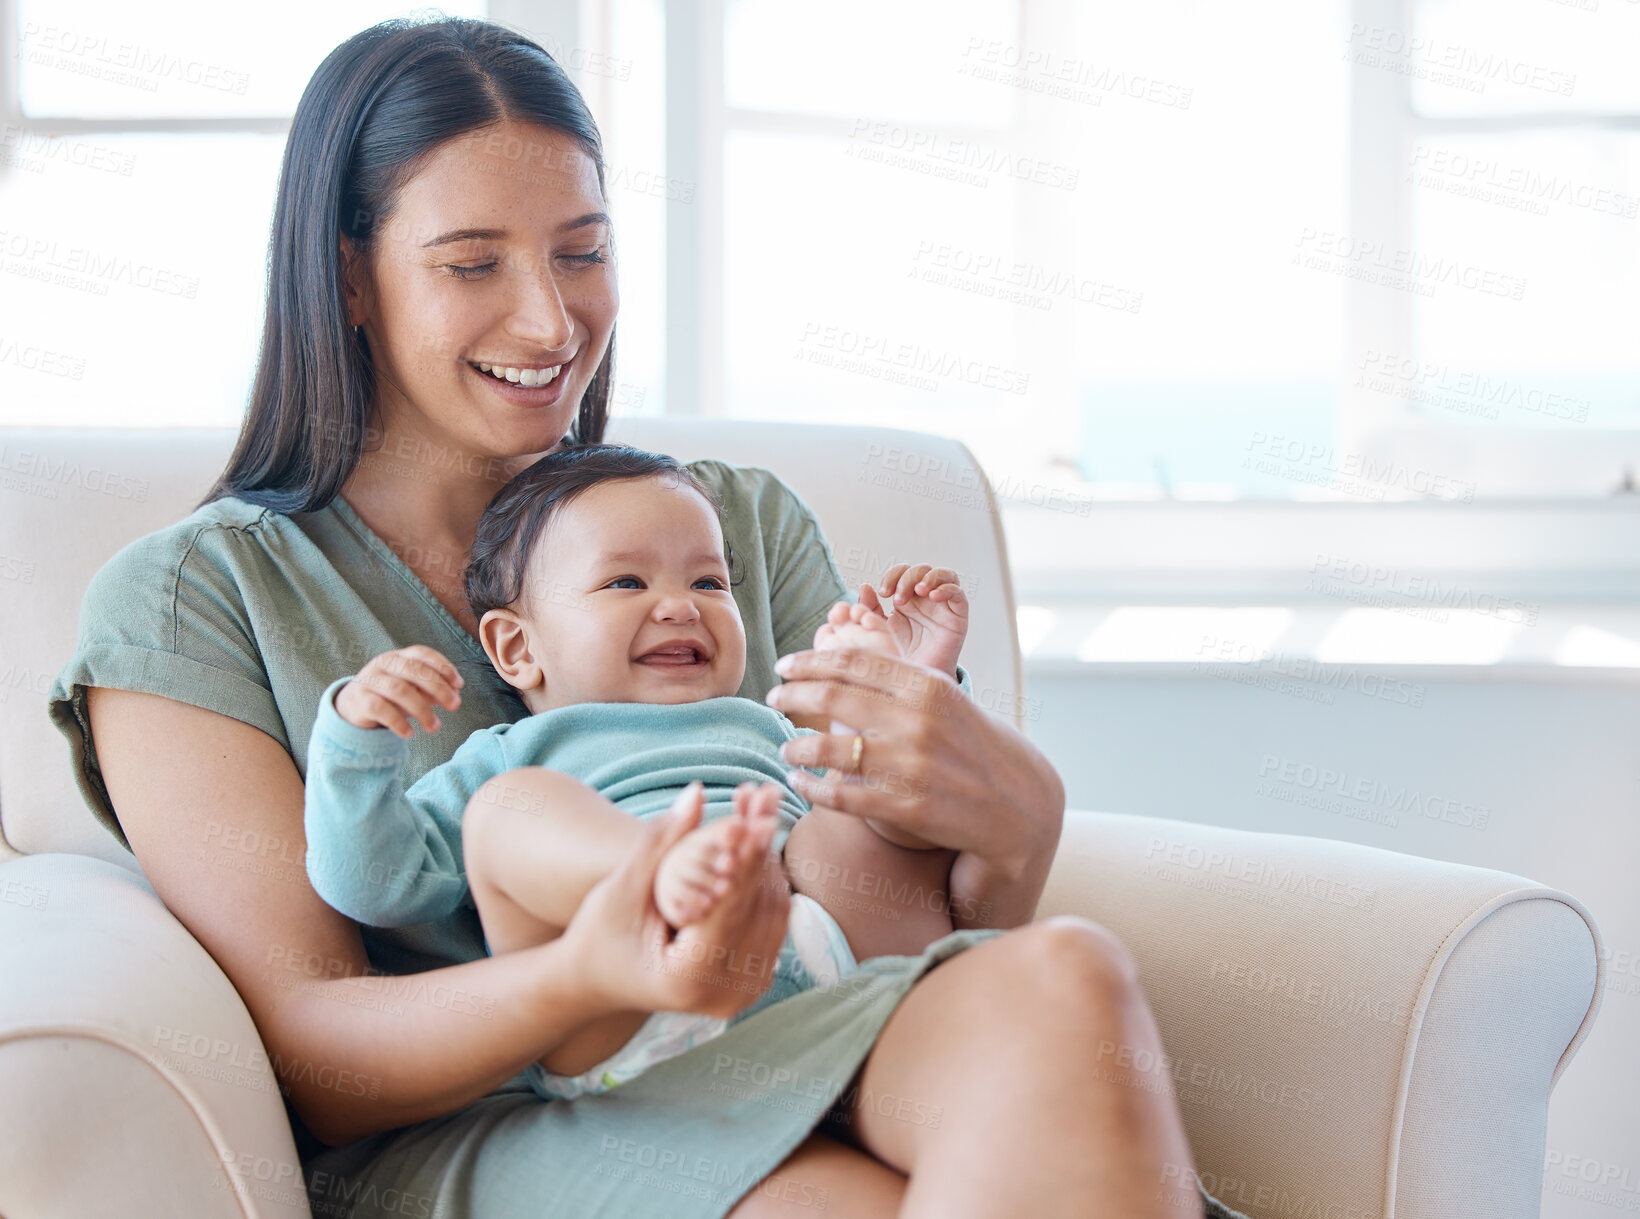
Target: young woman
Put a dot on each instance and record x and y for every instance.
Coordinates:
(441, 311)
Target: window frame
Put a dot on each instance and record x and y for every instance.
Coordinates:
(560, 23)
(1249, 549)
(1259, 563)
(1502, 462)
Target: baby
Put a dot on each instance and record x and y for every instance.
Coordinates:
(602, 586)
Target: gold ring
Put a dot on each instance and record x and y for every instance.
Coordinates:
(859, 748)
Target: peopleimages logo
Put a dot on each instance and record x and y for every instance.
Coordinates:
(125, 63)
(1449, 63)
(1439, 384)
(71, 473)
(1404, 267)
(928, 150)
(853, 350)
(88, 270)
(930, 476)
(1390, 797)
(1259, 873)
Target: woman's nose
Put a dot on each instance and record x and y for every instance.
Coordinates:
(540, 314)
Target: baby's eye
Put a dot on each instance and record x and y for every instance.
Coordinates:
(635, 582)
(712, 580)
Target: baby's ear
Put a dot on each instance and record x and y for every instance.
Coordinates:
(506, 642)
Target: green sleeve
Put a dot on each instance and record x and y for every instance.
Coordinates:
(804, 581)
(163, 616)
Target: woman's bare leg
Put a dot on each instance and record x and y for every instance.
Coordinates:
(1008, 1044)
(824, 1177)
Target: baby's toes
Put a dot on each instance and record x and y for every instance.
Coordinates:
(674, 907)
(732, 833)
(688, 903)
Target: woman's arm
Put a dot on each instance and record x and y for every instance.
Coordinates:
(212, 808)
(959, 776)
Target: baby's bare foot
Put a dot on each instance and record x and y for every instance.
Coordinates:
(718, 860)
(696, 873)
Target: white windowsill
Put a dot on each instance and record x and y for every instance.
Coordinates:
(1250, 552)
(1326, 643)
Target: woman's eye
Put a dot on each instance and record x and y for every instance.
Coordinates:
(473, 272)
(587, 259)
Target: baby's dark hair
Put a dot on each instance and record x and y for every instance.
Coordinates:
(520, 511)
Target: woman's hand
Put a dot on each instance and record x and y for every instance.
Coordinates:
(718, 966)
(933, 765)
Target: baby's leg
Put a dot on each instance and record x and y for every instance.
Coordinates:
(889, 900)
(534, 842)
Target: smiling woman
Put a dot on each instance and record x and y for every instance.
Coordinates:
(504, 171)
(441, 208)
(483, 336)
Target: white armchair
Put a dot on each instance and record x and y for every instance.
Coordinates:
(1351, 1032)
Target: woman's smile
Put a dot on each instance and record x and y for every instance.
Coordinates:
(525, 386)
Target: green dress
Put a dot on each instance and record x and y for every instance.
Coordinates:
(252, 613)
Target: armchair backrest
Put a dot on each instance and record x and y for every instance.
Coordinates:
(73, 497)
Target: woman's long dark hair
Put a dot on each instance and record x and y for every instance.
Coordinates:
(376, 107)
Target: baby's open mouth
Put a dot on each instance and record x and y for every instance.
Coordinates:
(674, 655)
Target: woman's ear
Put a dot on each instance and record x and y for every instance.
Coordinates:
(507, 643)
(355, 283)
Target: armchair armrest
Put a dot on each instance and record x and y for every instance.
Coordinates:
(134, 1080)
(1350, 1031)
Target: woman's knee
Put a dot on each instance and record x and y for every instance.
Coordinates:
(1076, 959)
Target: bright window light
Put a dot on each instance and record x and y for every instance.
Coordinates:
(1186, 633)
(1033, 622)
(1386, 636)
(1586, 645)
(185, 58)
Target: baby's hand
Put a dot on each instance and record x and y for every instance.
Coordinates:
(926, 614)
(845, 627)
(400, 684)
(701, 869)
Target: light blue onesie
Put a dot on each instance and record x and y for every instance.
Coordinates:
(387, 857)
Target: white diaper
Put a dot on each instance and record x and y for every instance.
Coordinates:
(815, 946)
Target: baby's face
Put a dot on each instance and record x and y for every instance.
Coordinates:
(626, 600)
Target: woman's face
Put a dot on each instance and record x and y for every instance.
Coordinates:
(498, 253)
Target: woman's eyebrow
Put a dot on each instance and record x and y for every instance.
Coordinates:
(583, 221)
(465, 235)
(492, 234)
